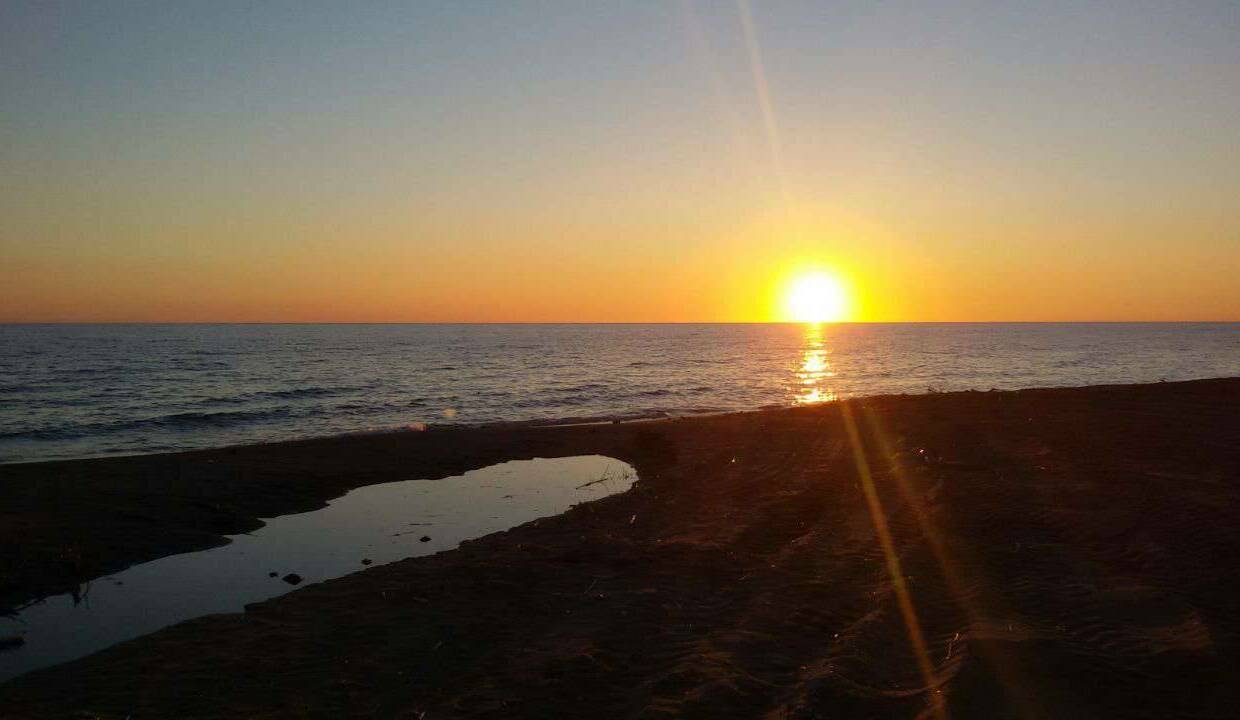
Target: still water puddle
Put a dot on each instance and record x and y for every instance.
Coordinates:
(378, 523)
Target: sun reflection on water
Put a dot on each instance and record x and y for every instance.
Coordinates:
(814, 373)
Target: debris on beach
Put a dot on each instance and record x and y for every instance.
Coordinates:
(292, 579)
(424, 538)
(366, 561)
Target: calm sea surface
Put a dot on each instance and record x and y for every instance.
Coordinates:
(87, 390)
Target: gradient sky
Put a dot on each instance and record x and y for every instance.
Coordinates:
(575, 161)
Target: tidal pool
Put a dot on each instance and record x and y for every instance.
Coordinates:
(377, 523)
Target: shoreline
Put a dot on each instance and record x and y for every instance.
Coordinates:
(413, 427)
(728, 506)
(572, 421)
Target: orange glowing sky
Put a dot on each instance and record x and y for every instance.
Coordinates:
(655, 162)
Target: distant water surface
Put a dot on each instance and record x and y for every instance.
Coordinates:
(87, 390)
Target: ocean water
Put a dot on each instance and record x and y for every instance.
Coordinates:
(89, 390)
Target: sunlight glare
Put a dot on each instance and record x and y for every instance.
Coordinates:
(815, 370)
(815, 298)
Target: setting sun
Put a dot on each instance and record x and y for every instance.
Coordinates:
(816, 297)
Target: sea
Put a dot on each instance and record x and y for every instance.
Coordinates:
(75, 391)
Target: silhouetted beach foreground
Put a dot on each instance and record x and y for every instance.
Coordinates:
(1032, 554)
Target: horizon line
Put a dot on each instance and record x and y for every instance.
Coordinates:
(616, 322)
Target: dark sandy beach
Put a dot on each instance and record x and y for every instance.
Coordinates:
(1066, 553)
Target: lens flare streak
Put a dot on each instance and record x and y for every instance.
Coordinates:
(908, 612)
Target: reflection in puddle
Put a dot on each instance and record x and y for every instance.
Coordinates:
(369, 526)
(814, 373)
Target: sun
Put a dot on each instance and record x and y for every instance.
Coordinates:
(816, 297)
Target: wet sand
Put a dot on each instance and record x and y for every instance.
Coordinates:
(1045, 553)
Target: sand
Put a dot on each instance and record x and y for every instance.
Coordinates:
(1064, 553)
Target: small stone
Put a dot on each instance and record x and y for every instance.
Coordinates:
(366, 561)
(273, 574)
(292, 579)
(425, 538)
